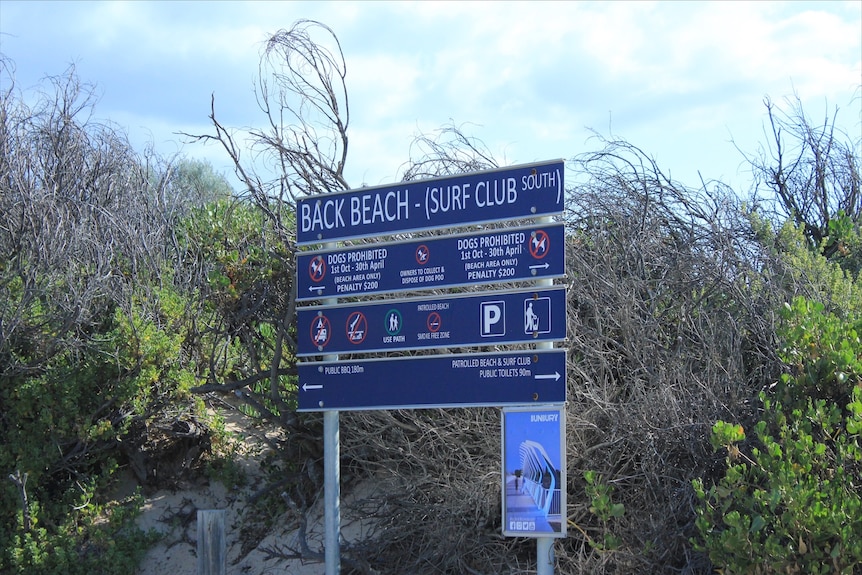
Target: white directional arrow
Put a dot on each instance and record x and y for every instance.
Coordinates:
(555, 376)
(306, 387)
(316, 288)
(545, 265)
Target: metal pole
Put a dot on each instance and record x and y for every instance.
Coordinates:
(331, 476)
(545, 556)
(545, 545)
(332, 490)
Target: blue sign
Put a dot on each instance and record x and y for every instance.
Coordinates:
(490, 318)
(460, 380)
(534, 472)
(527, 253)
(525, 191)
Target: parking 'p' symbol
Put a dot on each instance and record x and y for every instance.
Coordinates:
(493, 320)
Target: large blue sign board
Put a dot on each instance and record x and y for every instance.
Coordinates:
(527, 253)
(461, 380)
(490, 318)
(490, 196)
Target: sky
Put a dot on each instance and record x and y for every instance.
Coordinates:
(683, 81)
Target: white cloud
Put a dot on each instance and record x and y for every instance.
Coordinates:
(387, 84)
(530, 76)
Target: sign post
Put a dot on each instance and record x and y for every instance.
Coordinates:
(545, 545)
(332, 484)
(533, 253)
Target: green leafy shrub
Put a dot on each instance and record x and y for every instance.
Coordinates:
(246, 294)
(62, 428)
(793, 503)
(603, 507)
(83, 543)
(236, 246)
(822, 351)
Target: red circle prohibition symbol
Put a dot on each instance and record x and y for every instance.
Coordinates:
(317, 268)
(357, 327)
(423, 254)
(434, 322)
(320, 331)
(540, 243)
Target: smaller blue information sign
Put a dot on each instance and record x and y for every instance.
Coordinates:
(528, 253)
(534, 472)
(459, 380)
(490, 318)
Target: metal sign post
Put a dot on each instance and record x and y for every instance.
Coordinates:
(517, 254)
(545, 545)
(332, 491)
(332, 483)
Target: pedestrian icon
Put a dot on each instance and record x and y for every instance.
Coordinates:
(537, 315)
(393, 322)
(531, 320)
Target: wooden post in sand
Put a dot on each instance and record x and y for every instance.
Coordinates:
(212, 552)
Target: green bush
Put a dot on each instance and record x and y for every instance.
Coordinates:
(246, 263)
(83, 543)
(603, 507)
(790, 501)
(61, 430)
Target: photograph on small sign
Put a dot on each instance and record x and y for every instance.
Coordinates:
(534, 472)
